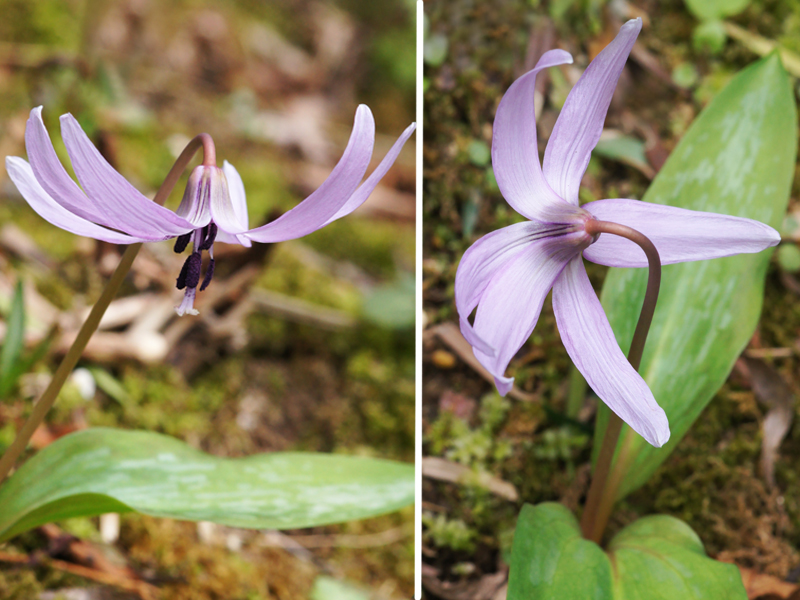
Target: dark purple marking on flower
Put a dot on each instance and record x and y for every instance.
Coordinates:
(182, 241)
(209, 275)
(209, 235)
(190, 272)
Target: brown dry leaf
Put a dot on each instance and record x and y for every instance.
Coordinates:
(442, 469)
(542, 38)
(485, 588)
(86, 560)
(770, 388)
(301, 311)
(603, 39)
(645, 59)
(450, 335)
(384, 202)
(758, 584)
(270, 46)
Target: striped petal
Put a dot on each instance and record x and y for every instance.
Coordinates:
(512, 300)
(515, 151)
(580, 123)
(117, 203)
(591, 345)
(366, 188)
(46, 207)
(679, 234)
(322, 205)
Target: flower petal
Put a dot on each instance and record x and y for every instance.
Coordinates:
(118, 203)
(238, 220)
(22, 175)
(316, 210)
(515, 151)
(233, 238)
(366, 188)
(590, 343)
(238, 198)
(679, 234)
(55, 181)
(482, 261)
(512, 300)
(580, 123)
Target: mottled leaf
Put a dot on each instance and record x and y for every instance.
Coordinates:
(737, 159)
(109, 470)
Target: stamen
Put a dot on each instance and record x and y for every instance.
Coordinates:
(193, 270)
(209, 275)
(190, 272)
(210, 233)
(182, 241)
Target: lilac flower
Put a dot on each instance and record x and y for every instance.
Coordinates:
(508, 273)
(213, 208)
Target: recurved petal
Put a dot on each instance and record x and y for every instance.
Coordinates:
(580, 123)
(679, 234)
(366, 188)
(316, 210)
(117, 202)
(53, 178)
(515, 151)
(22, 175)
(591, 345)
(512, 300)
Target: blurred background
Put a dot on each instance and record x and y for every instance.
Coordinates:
(733, 480)
(304, 345)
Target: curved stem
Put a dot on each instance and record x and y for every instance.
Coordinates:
(209, 151)
(48, 398)
(603, 490)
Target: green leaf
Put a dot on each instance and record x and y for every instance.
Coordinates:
(710, 35)
(706, 10)
(550, 559)
(435, 49)
(14, 342)
(661, 558)
(789, 257)
(479, 153)
(657, 558)
(110, 470)
(328, 588)
(111, 386)
(737, 159)
(624, 149)
(392, 305)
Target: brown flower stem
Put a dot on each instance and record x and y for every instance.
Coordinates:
(605, 483)
(48, 398)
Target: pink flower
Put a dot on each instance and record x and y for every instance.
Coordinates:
(508, 273)
(214, 208)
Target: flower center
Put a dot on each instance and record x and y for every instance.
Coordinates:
(189, 277)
